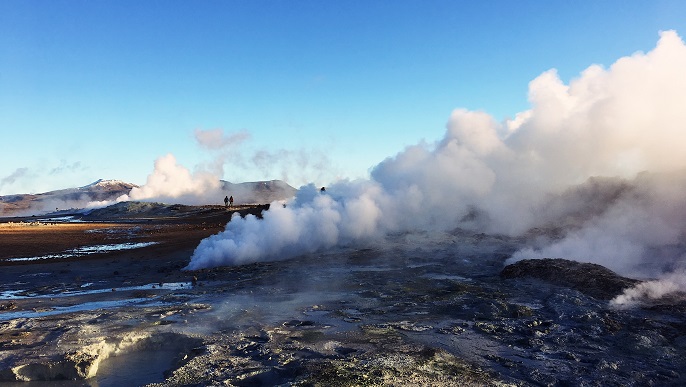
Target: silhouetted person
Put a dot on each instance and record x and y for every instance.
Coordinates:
(226, 201)
(231, 201)
(322, 190)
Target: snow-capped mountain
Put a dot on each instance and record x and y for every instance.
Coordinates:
(107, 185)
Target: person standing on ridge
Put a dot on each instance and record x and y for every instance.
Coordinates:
(231, 201)
(226, 201)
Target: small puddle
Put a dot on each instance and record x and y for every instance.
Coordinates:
(86, 250)
(135, 368)
(436, 276)
(60, 219)
(117, 231)
(373, 269)
(24, 294)
(146, 363)
(86, 306)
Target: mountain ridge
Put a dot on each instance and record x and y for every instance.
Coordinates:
(104, 191)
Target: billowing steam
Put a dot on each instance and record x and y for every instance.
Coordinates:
(671, 284)
(171, 182)
(596, 169)
(639, 231)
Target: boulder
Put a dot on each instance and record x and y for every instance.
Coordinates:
(589, 278)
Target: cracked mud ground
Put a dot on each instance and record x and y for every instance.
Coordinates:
(416, 310)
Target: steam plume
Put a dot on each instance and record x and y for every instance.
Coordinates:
(172, 182)
(672, 284)
(570, 163)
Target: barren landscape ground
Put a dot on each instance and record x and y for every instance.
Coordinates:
(416, 309)
(167, 243)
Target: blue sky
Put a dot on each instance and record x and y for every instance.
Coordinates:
(100, 89)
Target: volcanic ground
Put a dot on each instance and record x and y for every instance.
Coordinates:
(103, 300)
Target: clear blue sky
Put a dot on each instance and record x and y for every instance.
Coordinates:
(100, 89)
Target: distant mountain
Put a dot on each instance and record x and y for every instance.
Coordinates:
(29, 204)
(260, 192)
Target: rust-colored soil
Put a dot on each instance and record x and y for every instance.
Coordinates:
(175, 239)
(43, 240)
(35, 239)
(26, 238)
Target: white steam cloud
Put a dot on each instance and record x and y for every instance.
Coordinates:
(171, 182)
(572, 165)
(639, 233)
(670, 285)
(319, 221)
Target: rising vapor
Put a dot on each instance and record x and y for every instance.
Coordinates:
(171, 182)
(601, 159)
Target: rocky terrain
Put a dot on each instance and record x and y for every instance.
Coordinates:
(415, 309)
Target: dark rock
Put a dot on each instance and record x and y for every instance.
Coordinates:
(588, 278)
(8, 306)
